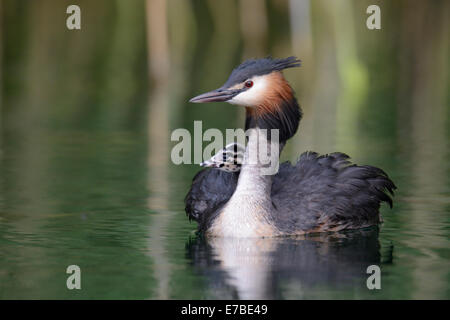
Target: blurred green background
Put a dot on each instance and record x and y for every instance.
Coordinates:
(86, 117)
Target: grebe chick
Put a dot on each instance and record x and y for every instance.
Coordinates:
(229, 159)
(317, 194)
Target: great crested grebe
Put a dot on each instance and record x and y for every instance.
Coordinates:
(318, 194)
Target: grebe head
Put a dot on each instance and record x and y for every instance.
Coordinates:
(259, 85)
(253, 83)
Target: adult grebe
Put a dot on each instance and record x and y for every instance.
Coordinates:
(317, 194)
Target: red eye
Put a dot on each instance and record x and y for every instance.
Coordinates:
(249, 83)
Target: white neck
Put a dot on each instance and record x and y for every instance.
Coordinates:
(248, 212)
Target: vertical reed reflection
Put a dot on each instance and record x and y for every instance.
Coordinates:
(1, 78)
(428, 113)
(158, 137)
(253, 27)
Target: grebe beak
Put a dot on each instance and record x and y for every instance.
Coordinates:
(218, 95)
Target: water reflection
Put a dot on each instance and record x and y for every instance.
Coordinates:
(267, 268)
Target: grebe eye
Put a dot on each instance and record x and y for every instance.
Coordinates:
(249, 83)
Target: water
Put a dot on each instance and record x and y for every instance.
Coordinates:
(85, 171)
(90, 206)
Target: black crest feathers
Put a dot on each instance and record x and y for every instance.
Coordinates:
(258, 67)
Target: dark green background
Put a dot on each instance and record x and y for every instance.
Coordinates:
(86, 116)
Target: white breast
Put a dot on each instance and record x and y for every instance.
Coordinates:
(247, 213)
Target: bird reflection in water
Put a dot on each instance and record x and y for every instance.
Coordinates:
(285, 268)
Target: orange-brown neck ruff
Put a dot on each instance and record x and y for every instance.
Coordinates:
(278, 108)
